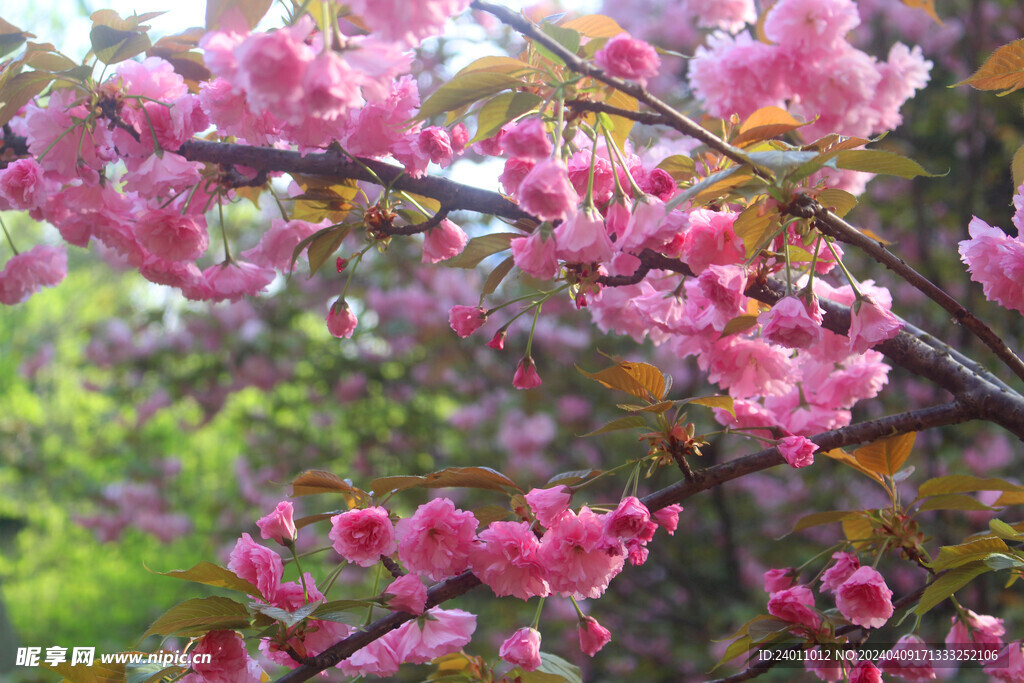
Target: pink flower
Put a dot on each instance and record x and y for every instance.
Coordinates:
(546, 191)
(630, 520)
(582, 238)
(362, 536)
(522, 649)
(407, 593)
(864, 598)
(870, 324)
(233, 280)
(436, 144)
(535, 256)
(710, 239)
(792, 323)
(505, 558)
(498, 340)
(291, 595)
(272, 68)
(466, 320)
(515, 170)
(1009, 666)
(811, 24)
(797, 450)
(437, 539)
(398, 20)
(443, 241)
(341, 321)
(526, 376)
(846, 564)
(171, 236)
(593, 636)
(549, 504)
(229, 659)
(627, 57)
(25, 273)
(437, 633)
(578, 557)
(276, 247)
(279, 525)
(668, 517)
(994, 259)
(795, 605)
(330, 86)
(528, 140)
(865, 672)
(260, 566)
(776, 580)
(915, 665)
(22, 184)
(981, 629)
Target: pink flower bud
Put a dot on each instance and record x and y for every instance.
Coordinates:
(466, 320)
(341, 321)
(797, 450)
(626, 57)
(279, 525)
(522, 649)
(526, 376)
(407, 593)
(593, 636)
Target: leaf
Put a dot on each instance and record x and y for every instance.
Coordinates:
(497, 64)
(18, 90)
(312, 482)
(999, 562)
(621, 125)
(782, 162)
(627, 422)
(766, 123)
(250, 10)
(323, 198)
(847, 459)
(466, 88)
(469, 477)
(497, 275)
(480, 248)
(566, 37)
(724, 402)
(886, 456)
(501, 109)
(213, 575)
(820, 518)
(342, 611)
(491, 513)
(199, 616)
(98, 672)
(857, 530)
(595, 26)
(700, 186)
(11, 38)
(755, 228)
(152, 672)
(659, 407)
(321, 248)
(946, 585)
(556, 666)
(286, 617)
(1017, 166)
(642, 380)
(573, 477)
(1003, 70)
(973, 551)
(1010, 498)
(927, 5)
(837, 201)
(679, 167)
(964, 483)
(313, 519)
(735, 649)
(953, 501)
(738, 324)
(879, 161)
(112, 45)
(1004, 531)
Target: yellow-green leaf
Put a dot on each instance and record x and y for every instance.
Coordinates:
(497, 64)
(679, 167)
(953, 501)
(251, 10)
(627, 422)
(756, 226)
(1017, 166)
(1003, 70)
(1004, 531)
(726, 403)
(622, 125)
(740, 323)
(848, 460)
(857, 530)
(639, 379)
(837, 201)
(947, 584)
(321, 248)
(19, 89)
(480, 248)
(98, 672)
(880, 161)
(965, 483)
(766, 123)
(972, 551)
(595, 26)
(886, 456)
(497, 275)
(113, 45)
(199, 616)
(213, 575)
(500, 110)
(1010, 498)
(465, 89)
(829, 517)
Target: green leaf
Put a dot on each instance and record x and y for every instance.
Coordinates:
(19, 89)
(556, 666)
(886, 456)
(97, 673)
(947, 584)
(659, 407)
(953, 501)
(211, 574)
(964, 483)
(480, 248)
(566, 37)
(497, 275)
(756, 226)
(1003, 70)
(322, 247)
(838, 202)
(735, 649)
(738, 324)
(782, 162)
(1000, 561)
(628, 422)
(819, 518)
(720, 179)
(466, 88)
(112, 45)
(679, 167)
(573, 477)
(595, 26)
(343, 611)
(1004, 531)
(199, 616)
(11, 38)
(151, 672)
(501, 109)
(289, 619)
(251, 10)
(879, 161)
(973, 551)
